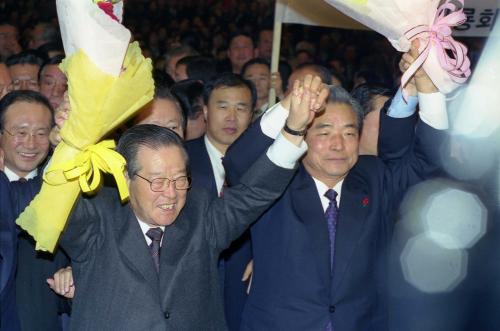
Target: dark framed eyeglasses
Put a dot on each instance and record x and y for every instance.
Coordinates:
(161, 184)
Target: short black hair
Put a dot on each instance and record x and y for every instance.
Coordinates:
(56, 60)
(55, 46)
(238, 34)
(146, 135)
(185, 60)
(163, 92)
(180, 50)
(229, 79)
(50, 33)
(30, 56)
(189, 92)
(365, 94)
(251, 62)
(201, 68)
(370, 76)
(322, 72)
(162, 79)
(23, 96)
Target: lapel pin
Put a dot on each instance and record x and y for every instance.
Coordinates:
(365, 201)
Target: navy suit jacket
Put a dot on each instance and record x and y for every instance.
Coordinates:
(293, 287)
(12, 202)
(200, 166)
(239, 254)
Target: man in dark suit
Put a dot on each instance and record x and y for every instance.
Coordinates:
(11, 203)
(25, 122)
(151, 264)
(229, 103)
(8, 260)
(320, 264)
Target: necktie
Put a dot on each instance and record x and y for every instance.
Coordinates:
(22, 180)
(155, 235)
(331, 219)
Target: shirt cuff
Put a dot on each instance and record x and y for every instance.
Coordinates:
(273, 120)
(433, 110)
(399, 108)
(285, 154)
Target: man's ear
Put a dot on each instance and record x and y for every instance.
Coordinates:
(205, 112)
(127, 178)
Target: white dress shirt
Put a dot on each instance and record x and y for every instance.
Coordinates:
(322, 188)
(216, 161)
(432, 112)
(12, 176)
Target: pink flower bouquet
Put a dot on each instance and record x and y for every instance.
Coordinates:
(431, 21)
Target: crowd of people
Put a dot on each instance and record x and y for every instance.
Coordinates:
(242, 215)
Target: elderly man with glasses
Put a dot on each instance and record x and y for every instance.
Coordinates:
(151, 264)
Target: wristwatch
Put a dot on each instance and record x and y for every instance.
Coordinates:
(294, 132)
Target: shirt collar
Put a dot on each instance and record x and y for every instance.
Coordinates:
(145, 227)
(322, 188)
(12, 176)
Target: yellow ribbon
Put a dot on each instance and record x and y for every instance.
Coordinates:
(87, 165)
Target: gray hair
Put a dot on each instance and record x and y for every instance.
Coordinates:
(146, 135)
(341, 96)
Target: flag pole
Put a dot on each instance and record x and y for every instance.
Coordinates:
(275, 58)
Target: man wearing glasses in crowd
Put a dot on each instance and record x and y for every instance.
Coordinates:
(25, 123)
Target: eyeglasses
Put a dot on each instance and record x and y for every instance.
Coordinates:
(21, 135)
(160, 184)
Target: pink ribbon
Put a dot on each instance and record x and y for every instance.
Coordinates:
(449, 14)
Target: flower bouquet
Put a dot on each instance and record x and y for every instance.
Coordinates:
(108, 80)
(431, 21)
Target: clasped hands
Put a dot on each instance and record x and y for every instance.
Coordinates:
(308, 97)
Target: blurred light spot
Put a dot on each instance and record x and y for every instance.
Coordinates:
(455, 218)
(430, 267)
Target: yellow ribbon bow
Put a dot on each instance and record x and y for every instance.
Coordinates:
(87, 166)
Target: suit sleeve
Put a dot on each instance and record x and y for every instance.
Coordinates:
(411, 153)
(241, 205)
(244, 151)
(82, 235)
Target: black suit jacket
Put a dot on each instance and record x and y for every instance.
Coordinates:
(117, 287)
(14, 197)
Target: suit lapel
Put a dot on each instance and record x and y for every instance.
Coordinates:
(174, 245)
(203, 173)
(132, 244)
(307, 206)
(352, 216)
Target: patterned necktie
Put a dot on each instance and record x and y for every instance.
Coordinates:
(155, 235)
(331, 219)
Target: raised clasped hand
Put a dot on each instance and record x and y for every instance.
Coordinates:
(307, 98)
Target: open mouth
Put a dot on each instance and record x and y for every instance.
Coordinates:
(167, 207)
(28, 155)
